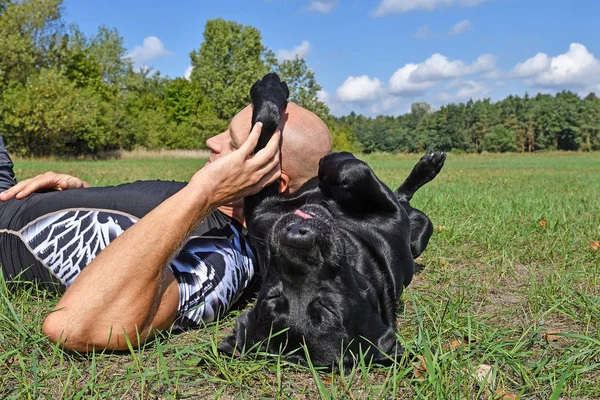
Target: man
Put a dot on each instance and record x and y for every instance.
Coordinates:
(126, 291)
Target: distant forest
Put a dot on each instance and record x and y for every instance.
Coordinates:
(64, 93)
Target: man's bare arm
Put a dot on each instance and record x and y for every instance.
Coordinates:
(127, 291)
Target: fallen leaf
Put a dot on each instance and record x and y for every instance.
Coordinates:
(595, 245)
(552, 337)
(471, 339)
(8, 362)
(420, 367)
(441, 228)
(455, 344)
(483, 373)
(543, 223)
(502, 395)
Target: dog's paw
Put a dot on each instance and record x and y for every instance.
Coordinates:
(429, 166)
(350, 182)
(331, 167)
(272, 90)
(269, 98)
(342, 170)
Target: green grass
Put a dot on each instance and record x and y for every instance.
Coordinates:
(497, 278)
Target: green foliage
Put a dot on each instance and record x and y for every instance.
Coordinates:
(499, 140)
(50, 115)
(31, 36)
(303, 86)
(344, 139)
(231, 58)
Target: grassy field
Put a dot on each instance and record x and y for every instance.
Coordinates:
(511, 289)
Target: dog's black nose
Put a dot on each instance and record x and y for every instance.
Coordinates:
(299, 235)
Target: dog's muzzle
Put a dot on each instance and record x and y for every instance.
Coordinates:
(300, 235)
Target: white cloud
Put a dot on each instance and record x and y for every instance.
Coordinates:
(463, 90)
(151, 48)
(461, 27)
(384, 104)
(188, 72)
(323, 96)
(387, 105)
(495, 74)
(438, 67)
(401, 6)
(401, 82)
(533, 66)
(577, 68)
(444, 78)
(440, 80)
(359, 89)
(413, 79)
(322, 6)
(300, 51)
(424, 32)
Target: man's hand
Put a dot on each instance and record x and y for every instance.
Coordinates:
(240, 174)
(46, 182)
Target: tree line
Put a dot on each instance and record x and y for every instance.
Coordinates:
(66, 93)
(516, 124)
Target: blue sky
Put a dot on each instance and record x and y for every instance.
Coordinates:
(379, 56)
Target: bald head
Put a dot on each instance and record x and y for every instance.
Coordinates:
(305, 140)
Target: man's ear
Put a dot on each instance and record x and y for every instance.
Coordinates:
(283, 183)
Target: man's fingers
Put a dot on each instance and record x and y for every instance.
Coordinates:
(65, 183)
(47, 181)
(269, 178)
(10, 193)
(250, 144)
(270, 151)
(32, 187)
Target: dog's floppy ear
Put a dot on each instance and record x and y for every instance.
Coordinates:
(384, 351)
(235, 344)
(388, 349)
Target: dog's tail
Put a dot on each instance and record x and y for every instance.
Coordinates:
(424, 171)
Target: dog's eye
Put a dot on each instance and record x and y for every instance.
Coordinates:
(322, 313)
(326, 306)
(273, 295)
(327, 206)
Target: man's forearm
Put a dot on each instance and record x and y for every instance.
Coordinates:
(120, 291)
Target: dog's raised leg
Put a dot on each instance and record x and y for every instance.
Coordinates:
(353, 185)
(421, 227)
(426, 169)
(269, 100)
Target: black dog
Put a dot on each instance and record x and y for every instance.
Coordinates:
(334, 261)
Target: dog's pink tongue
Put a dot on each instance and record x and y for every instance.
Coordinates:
(303, 215)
